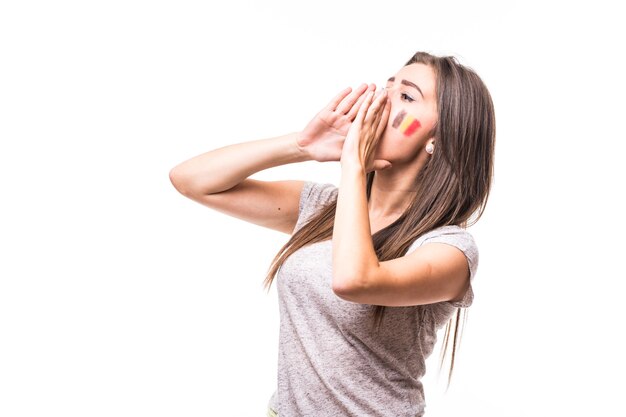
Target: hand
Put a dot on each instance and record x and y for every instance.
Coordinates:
(323, 137)
(365, 132)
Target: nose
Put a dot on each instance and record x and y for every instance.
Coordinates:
(392, 97)
(392, 93)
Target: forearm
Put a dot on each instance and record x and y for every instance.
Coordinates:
(354, 256)
(223, 168)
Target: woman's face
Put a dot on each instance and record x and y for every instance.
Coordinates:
(413, 115)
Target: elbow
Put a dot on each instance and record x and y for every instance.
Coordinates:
(355, 286)
(180, 181)
(346, 289)
(176, 179)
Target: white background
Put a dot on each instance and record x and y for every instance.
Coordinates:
(120, 297)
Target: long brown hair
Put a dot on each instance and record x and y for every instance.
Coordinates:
(452, 187)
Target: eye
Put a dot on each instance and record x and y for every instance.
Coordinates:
(407, 97)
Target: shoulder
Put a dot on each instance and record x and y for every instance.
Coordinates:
(455, 236)
(313, 197)
(464, 241)
(316, 194)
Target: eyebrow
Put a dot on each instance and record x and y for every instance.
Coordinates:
(409, 83)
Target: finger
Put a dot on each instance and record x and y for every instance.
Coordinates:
(384, 118)
(351, 114)
(380, 164)
(355, 109)
(364, 107)
(348, 102)
(375, 123)
(337, 99)
(379, 107)
(376, 106)
(374, 116)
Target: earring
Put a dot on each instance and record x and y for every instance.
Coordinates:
(430, 148)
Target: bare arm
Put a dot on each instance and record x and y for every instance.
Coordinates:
(219, 179)
(223, 168)
(432, 273)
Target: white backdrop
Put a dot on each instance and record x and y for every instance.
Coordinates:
(119, 297)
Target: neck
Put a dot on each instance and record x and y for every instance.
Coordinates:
(393, 189)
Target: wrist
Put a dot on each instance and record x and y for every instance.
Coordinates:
(301, 153)
(352, 168)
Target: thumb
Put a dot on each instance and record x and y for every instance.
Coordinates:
(381, 164)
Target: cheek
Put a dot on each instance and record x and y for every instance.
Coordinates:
(406, 123)
(396, 145)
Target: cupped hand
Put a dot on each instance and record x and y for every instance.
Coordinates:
(365, 132)
(324, 136)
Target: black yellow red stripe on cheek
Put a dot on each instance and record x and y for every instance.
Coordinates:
(406, 123)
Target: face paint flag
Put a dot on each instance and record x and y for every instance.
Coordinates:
(406, 123)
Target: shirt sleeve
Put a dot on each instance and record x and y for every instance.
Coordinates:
(463, 240)
(313, 198)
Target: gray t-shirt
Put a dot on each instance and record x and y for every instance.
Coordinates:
(330, 360)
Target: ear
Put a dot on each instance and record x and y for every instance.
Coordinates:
(430, 146)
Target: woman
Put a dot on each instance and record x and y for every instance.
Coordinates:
(359, 312)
